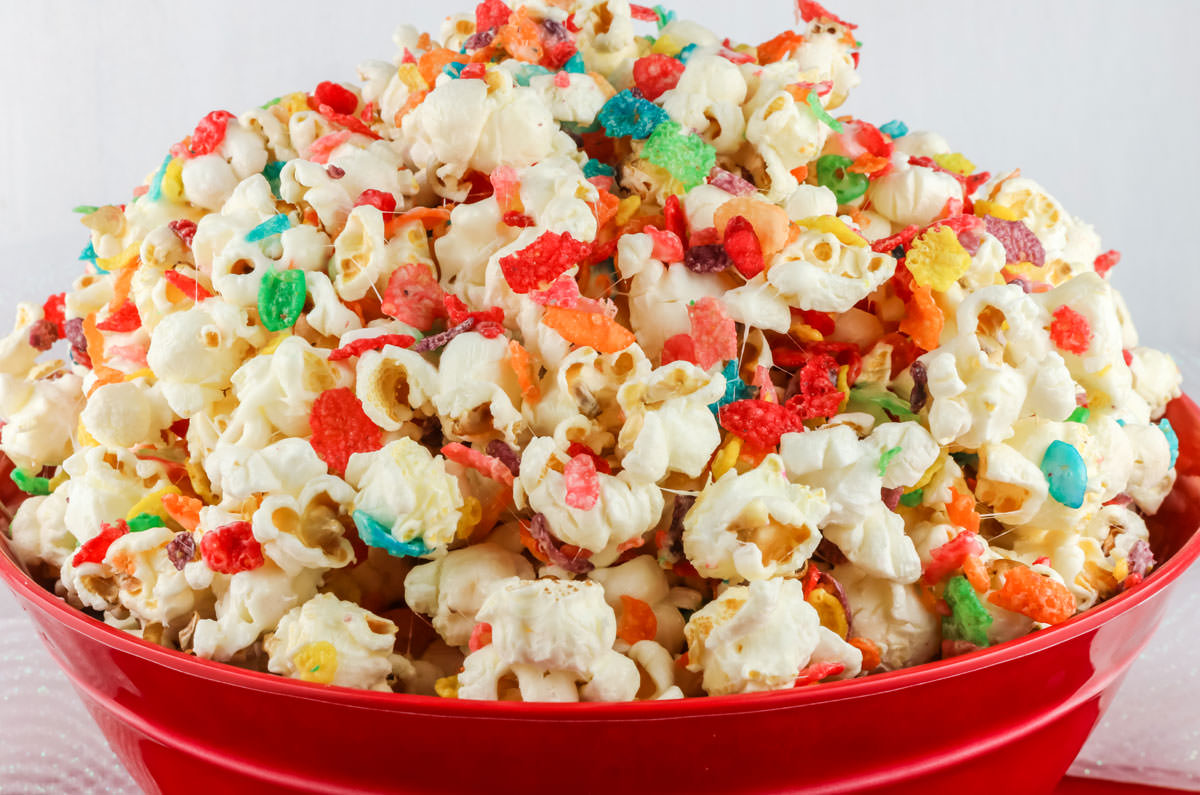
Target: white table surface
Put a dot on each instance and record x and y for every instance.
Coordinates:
(1093, 99)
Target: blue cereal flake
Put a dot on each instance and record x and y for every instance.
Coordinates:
(454, 69)
(575, 64)
(527, 71)
(598, 168)
(271, 172)
(1172, 439)
(155, 192)
(818, 110)
(374, 534)
(895, 128)
(626, 114)
(274, 225)
(88, 254)
(735, 388)
(1066, 473)
(685, 54)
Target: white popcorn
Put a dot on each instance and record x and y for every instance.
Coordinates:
(550, 635)
(39, 532)
(451, 590)
(912, 194)
(409, 491)
(759, 637)
(477, 389)
(892, 616)
(606, 38)
(126, 414)
(708, 99)
(307, 530)
(578, 102)
(249, 604)
(103, 485)
(194, 353)
(784, 133)
(1156, 378)
(753, 526)
(395, 386)
(817, 271)
(361, 643)
(625, 510)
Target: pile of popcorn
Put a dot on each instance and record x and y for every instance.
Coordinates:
(584, 354)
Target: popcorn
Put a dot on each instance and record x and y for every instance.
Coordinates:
(754, 526)
(332, 642)
(759, 637)
(550, 636)
(514, 352)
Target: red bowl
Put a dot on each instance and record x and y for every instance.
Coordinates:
(1009, 718)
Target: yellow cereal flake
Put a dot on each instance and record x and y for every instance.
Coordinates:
(667, 45)
(316, 662)
(145, 372)
(628, 206)
(121, 260)
(172, 181)
(843, 385)
(295, 103)
(956, 162)
(83, 438)
(937, 260)
(1121, 570)
(60, 477)
(410, 76)
(836, 227)
(472, 512)
(447, 686)
(274, 344)
(152, 504)
(727, 456)
(996, 210)
(830, 611)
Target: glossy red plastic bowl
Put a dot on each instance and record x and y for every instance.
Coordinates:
(1006, 719)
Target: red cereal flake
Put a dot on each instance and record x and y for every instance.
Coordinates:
(656, 74)
(187, 285)
(518, 220)
(743, 247)
(340, 428)
(93, 551)
(810, 10)
(643, 13)
(709, 236)
(674, 220)
(125, 318)
(413, 296)
(714, 332)
(336, 96)
(543, 261)
(902, 240)
(564, 292)
(475, 71)
(1107, 261)
(583, 485)
(491, 14)
(320, 149)
(680, 347)
(1070, 331)
(668, 247)
(231, 549)
(949, 557)
(579, 448)
(818, 395)
(488, 322)
(760, 423)
(385, 201)
(209, 133)
(471, 458)
(481, 636)
(351, 123)
(359, 347)
(55, 311)
(1034, 596)
(818, 671)
(637, 621)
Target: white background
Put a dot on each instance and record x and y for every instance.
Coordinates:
(1094, 99)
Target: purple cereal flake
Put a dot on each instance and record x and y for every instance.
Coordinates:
(539, 528)
(555, 31)
(477, 41)
(499, 449)
(707, 259)
(435, 341)
(181, 550)
(683, 504)
(920, 392)
(1019, 241)
(335, 172)
(731, 183)
(1141, 558)
(42, 335)
(73, 330)
(891, 497)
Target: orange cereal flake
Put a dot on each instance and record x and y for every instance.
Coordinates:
(1034, 596)
(588, 328)
(637, 621)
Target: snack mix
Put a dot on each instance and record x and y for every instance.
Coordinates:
(583, 354)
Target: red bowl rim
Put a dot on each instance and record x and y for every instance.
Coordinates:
(28, 591)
